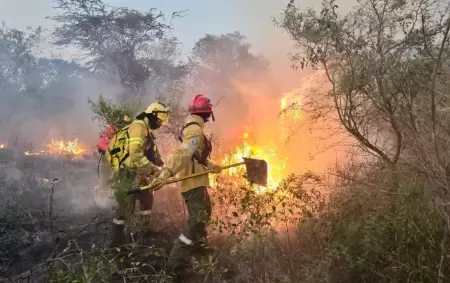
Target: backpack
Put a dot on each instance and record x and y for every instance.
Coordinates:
(105, 139)
(117, 151)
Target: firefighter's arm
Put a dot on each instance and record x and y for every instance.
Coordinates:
(137, 134)
(213, 166)
(183, 155)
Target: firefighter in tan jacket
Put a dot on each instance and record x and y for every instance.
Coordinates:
(132, 155)
(191, 157)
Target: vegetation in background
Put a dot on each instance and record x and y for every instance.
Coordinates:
(109, 113)
(382, 220)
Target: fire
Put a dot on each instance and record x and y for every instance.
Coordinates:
(268, 150)
(60, 147)
(276, 165)
(2, 145)
(30, 152)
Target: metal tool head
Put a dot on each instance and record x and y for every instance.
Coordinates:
(257, 171)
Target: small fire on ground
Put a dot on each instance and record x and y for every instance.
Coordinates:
(69, 148)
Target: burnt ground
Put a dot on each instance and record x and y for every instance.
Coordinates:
(52, 223)
(46, 222)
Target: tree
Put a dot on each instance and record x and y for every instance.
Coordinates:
(216, 60)
(116, 40)
(34, 89)
(387, 62)
(368, 55)
(133, 45)
(219, 64)
(17, 61)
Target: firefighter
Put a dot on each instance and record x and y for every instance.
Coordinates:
(191, 157)
(129, 155)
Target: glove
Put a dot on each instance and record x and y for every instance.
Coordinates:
(146, 175)
(216, 168)
(157, 184)
(159, 181)
(165, 174)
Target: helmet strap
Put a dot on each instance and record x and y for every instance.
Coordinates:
(205, 116)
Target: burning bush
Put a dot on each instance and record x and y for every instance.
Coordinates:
(246, 212)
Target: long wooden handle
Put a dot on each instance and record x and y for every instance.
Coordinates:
(196, 175)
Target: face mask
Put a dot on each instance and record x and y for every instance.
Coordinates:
(152, 121)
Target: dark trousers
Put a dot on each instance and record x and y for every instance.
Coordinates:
(123, 182)
(199, 209)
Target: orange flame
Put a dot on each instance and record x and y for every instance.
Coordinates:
(62, 147)
(265, 149)
(71, 148)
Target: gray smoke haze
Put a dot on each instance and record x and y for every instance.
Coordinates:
(63, 111)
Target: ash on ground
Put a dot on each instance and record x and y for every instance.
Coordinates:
(46, 204)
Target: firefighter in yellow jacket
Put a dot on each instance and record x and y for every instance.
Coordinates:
(191, 157)
(129, 158)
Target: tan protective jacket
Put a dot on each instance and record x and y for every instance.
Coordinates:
(182, 164)
(139, 133)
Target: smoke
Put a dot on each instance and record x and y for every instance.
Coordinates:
(48, 100)
(66, 119)
(254, 106)
(77, 180)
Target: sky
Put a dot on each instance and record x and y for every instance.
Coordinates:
(251, 17)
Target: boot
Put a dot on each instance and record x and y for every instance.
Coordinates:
(117, 235)
(201, 248)
(178, 274)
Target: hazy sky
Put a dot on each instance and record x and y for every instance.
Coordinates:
(250, 17)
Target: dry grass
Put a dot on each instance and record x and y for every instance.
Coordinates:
(302, 233)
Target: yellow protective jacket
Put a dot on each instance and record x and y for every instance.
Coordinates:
(138, 134)
(182, 162)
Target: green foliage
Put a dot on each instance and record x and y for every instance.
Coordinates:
(302, 235)
(110, 113)
(368, 241)
(106, 265)
(120, 184)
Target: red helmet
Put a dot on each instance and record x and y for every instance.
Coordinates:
(200, 104)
